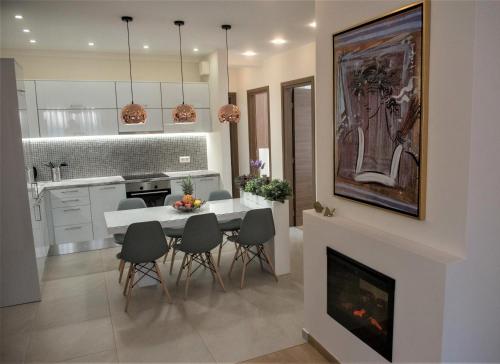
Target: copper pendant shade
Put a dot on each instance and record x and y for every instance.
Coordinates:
(182, 113)
(228, 113)
(132, 113)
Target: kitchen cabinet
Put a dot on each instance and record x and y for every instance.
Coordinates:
(39, 226)
(196, 94)
(104, 199)
(57, 95)
(204, 185)
(148, 94)
(59, 123)
(73, 222)
(31, 109)
(154, 123)
(203, 122)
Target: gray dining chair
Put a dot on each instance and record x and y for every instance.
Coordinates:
(256, 230)
(143, 244)
(174, 235)
(201, 235)
(126, 204)
(228, 227)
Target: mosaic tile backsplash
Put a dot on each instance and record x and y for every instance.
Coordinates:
(117, 156)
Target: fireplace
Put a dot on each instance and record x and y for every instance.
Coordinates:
(362, 300)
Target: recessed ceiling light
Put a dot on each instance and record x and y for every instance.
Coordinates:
(91, 44)
(32, 40)
(145, 46)
(195, 49)
(26, 30)
(312, 24)
(18, 16)
(249, 53)
(279, 41)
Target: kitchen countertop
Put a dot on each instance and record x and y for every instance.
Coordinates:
(99, 181)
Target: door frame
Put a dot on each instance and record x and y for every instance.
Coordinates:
(287, 133)
(252, 135)
(233, 139)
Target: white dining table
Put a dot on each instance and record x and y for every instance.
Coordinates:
(118, 221)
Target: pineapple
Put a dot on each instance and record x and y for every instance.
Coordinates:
(187, 186)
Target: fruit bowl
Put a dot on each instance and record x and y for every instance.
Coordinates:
(188, 204)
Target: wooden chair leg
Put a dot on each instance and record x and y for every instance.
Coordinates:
(181, 269)
(207, 259)
(173, 256)
(210, 259)
(238, 248)
(218, 256)
(243, 254)
(169, 245)
(128, 279)
(186, 289)
(131, 285)
(121, 268)
(162, 282)
(260, 259)
(261, 247)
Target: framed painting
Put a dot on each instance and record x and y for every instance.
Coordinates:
(380, 101)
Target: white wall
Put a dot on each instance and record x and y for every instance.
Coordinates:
(450, 95)
(472, 326)
(287, 66)
(463, 201)
(58, 65)
(218, 141)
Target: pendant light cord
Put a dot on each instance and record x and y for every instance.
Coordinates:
(130, 63)
(182, 70)
(227, 64)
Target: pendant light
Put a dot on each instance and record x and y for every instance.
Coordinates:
(132, 113)
(228, 113)
(183, 113)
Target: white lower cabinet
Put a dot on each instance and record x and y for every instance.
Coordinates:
(73, 233)
(204, 185)
(104, 199)
(176, 187)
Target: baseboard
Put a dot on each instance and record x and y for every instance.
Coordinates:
(315, 344)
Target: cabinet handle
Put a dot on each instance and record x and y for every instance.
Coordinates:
(107, 188)
(76, 106)
(70, 191)
(73, 200)
(68, 210)
(38, 217)
(73, 228)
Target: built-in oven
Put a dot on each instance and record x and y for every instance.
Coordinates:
(153, 190)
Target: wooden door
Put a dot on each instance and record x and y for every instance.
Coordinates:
(298, 145)
(259, 128)
(233, 136)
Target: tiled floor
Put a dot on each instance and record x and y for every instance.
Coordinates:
(81, 317)
(303, 354)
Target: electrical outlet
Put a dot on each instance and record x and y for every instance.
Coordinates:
(185, 159)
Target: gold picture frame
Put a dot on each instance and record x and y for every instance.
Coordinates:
(380, 99)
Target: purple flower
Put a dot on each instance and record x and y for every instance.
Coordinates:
(257, 164)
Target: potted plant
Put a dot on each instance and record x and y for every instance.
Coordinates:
(276, 190)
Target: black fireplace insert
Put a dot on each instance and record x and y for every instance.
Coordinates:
(362, 300)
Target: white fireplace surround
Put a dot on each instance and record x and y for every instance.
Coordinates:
(420, 273)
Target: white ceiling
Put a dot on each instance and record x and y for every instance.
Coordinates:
(69, 25)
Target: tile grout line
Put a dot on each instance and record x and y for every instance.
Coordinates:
(109, 310)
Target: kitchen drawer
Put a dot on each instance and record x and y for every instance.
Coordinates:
(71, 215)
(176, 186)
(70, 201)
(69, 192)
(73, 233)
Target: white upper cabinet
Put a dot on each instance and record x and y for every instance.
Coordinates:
(75, 95)
(154, 123)
(148, 94)
(195, 93)
(59, 123)
(202, 124)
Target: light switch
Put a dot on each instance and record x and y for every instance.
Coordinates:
(185, 159)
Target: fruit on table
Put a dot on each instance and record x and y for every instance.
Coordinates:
(187, 199)
(188, 205)
(197, 203)
(178, 203)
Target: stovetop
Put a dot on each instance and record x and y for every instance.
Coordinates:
(144, 176)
